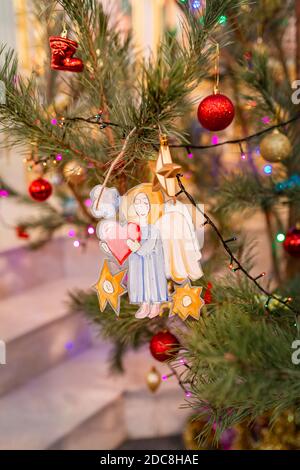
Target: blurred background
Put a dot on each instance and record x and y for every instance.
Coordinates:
(24, 32)
(56, 387)
(57, 390)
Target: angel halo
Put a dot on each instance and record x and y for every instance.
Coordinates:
(156, 235)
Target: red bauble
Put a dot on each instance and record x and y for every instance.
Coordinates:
(163, 346)
(21, 232)
(216, 112)
(208, 295)
(40, 189)
(291, 243)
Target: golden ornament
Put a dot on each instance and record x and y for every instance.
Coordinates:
(153, 379)
(166, 170)
(187, 301)
(109, 288)
(275, 147)
(192, 432)
(265, 434)
(190, 435)
(74, 173)
(283, 434)
(260, 46)
(261, 434)
(269, 7)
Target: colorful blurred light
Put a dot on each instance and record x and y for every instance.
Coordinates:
(69, 346)
(222, 19)
(91, 230)
(76, 243)
(196, 4)
(280, 237)
(268, 169)
(3, 193)
(214, 140)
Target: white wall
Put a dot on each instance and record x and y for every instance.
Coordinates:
(11, 165)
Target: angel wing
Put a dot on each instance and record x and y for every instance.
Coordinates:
(181, 247)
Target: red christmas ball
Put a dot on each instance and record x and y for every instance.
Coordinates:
(163, 346)
(208, 295)
(291, 243)
(216, 112)
(21, 232)
(40, 189)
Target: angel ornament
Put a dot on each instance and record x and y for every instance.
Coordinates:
(158, 239)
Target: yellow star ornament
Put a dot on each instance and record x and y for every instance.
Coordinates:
(187, 301)
(109, 288)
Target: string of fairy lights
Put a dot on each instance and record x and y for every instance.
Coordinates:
(98, 120)
(235, 265)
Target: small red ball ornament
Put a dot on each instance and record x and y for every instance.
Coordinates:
(291, 243)
(208, 295)
(40, 189)
(163, 346)
(216, 112)
(21, 232)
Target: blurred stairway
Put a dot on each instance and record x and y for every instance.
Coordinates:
(56, 389)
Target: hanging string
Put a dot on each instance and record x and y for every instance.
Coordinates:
(64, 24)
(217, 69)
(118, 158)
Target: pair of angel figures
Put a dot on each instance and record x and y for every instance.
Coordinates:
(156, 235)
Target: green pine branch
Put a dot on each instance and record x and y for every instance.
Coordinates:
(125, 331)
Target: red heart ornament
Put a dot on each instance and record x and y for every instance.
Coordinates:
(116, 236)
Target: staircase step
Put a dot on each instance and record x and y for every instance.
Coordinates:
(22, 269)
(39, 332)
(79, 404)
(150, 415)
(56, 404)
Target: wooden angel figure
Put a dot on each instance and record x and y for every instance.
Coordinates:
(168, 248)
(160, 241)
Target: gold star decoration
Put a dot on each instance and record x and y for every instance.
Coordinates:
(109, 288)
(169, 170)
(187, 301)
(166, 170)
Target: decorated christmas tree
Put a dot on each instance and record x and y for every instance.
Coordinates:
(130, 147)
